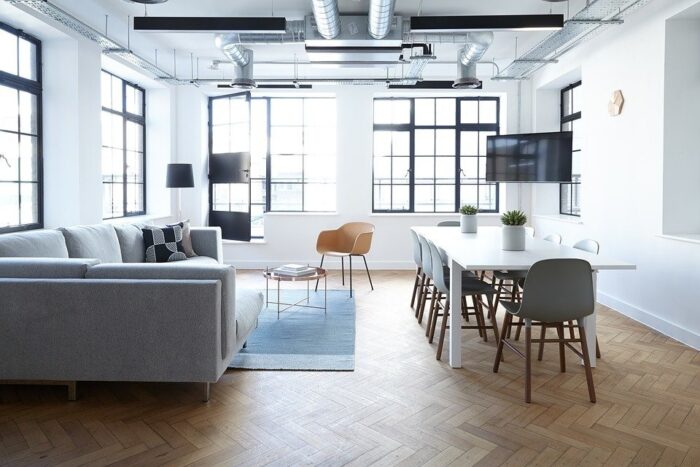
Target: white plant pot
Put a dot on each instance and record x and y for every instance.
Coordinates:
(513, 237)
(467, 223)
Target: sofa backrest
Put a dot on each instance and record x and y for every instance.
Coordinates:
(45, 268)
(131, 242)
(34, 244)
(93, 241)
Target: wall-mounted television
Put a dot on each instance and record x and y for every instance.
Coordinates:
(533, 157)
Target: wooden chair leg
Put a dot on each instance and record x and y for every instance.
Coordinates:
(424, 297)
(443, 328)
(72, 390)
(206, 392)
(562, 347)
(597, 348)
(433, 320)
(543, 334)
(528, 362)
(430, 310)
(316, 288)
(481, 322)
(415, 287)
(499, 352)
(586, 362)
(421, 291)
(492, 318)
(518, 328)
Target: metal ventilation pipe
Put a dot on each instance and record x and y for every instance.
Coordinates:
(242, 58)
(467, 58)
(381, 14)
(327, 17)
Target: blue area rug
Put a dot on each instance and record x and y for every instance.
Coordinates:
(303, 338)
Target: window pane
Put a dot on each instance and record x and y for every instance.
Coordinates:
(8, 57)
(117, 97)
(488, 111)
(382, 111)
(134, 100)
(469, 110)
(319, 140)
(445, 170)
(400, 197)
(239, 137)
(401, 111)
(445, 198)
(566, 103)
(134, 167)
(220, 111)
(238, 106)
(257, 191)
(220, 197)
(445, 110)
(424, 198)
(134, 136)
(469, 144)
(487, 197)
(320, 112)
(425, 143)
(9, 153)
(9, 204)
(286, 168)
(382, 170)
(399, 170)
(9, 108)
(319, 197)
(286, 111)
(27, 60)
(319, 169)
(382, 196)
(445, 142)
(286, 197)
(257, 218)
(469, 194)
(382, 143)
(27, 113)
(28, 146)
(401, 143)
(240, 197)
(576, 99)
(425, 111)
(220, 139)
(469, 169)
(134, 196)
(286, 140)
(425, 170)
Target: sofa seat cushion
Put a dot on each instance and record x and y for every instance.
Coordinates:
(194, 261)
(249, 304)
(45, 268)
(93, 241)
(34, 244)
(131, 242)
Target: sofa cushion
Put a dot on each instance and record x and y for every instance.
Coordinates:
(45, 268)
(249, 304)
(163, 244)
(34, 244)
(93, 241)
(131, 242)
(186, 238)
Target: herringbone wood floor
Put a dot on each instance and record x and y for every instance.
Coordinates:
(400, 406)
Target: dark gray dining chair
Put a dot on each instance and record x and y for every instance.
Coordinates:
(591, 246)
(448, 224)
(556, 291)
(471, 287)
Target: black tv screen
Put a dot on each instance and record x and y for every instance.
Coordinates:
(535, 157)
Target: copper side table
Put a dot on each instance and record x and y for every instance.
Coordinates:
(272, 275)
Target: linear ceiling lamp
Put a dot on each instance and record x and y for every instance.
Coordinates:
(210, 24)
(427, 84)
(446, 24)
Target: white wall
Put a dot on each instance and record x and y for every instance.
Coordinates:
(292, 237)
(622, 172)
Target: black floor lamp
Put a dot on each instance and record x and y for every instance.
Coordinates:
(179, 176)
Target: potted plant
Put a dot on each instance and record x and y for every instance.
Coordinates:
(467, 220)
(513, 230)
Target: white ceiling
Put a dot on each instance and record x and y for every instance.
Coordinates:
(202, 45)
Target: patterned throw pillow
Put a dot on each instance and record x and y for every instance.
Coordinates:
(186, 237)
(163, 244)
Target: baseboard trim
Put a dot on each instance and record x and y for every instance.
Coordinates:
(666, 328)
(328, 264)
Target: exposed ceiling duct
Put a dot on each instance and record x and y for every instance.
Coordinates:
(594, 18)
(242, 59)
(381, 17)
(327, 17)
(467, 58)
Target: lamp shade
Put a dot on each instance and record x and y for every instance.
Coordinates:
(179, 176)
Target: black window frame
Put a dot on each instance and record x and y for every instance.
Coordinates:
(458, 127)
(573, 186)
(141, 120)
(33, 87)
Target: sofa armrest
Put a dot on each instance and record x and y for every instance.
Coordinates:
(110, 330)
(206, 241)
(45, 268)
(225, 274)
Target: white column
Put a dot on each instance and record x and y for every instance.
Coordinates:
(589, 324)
(455, 314)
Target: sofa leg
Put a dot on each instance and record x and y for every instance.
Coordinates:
(72, 390)
(245, 344)
(205, 392)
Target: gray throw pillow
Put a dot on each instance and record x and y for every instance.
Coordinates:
(93, 241)
(186, 238)
(131, 242)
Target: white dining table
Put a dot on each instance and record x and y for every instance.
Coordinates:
(482, 251)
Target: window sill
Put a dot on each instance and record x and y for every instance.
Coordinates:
(428, 214)
(287, 214)
(687, 238)
(255, 241)
(136, 219)
(559, 218)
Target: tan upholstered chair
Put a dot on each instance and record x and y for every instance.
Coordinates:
(352, 239)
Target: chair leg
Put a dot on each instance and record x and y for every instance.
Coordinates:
(492, 318)
(424, 297)
(350, 259)
(543, 334)
(498, 295)
(415, 288)
(562, 347)
(528, 361)
(586, 362)
(499, 352)
(481, 322)
(368, 276)
(432, 324)
(443, 328)
(342, 269)
(316, 289)
(421, 291)
(597, 348)
(430, 311)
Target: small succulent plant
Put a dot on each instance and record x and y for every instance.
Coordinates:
(513, 218)
(468, 210)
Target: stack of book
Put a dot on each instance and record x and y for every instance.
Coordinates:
(296, 270)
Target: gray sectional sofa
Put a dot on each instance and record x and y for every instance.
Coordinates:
(80, 304)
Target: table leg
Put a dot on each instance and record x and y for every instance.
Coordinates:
(455, 316)
(278, 299)
(325, 294)
(267, 291)
(589, 324)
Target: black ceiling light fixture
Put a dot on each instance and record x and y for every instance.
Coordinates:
(443, 24)
(270, 25)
